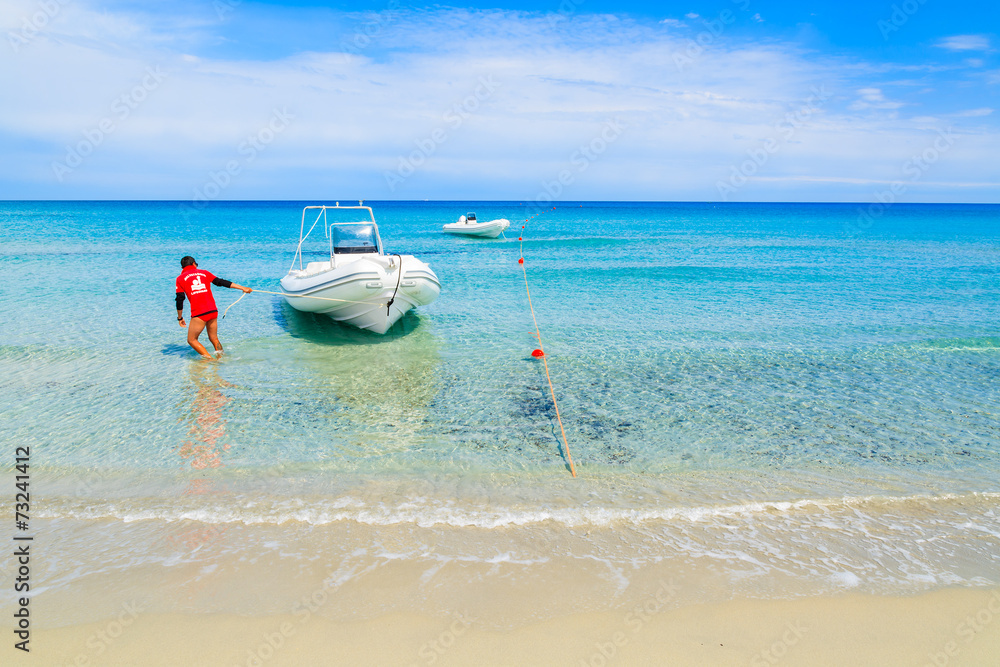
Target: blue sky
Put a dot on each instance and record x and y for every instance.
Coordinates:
(742, 100)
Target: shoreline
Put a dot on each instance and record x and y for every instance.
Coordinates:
(204, 553)
(943, 627)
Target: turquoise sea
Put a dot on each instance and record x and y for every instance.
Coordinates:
(760, 399)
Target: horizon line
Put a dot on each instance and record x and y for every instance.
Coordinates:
(505, 201)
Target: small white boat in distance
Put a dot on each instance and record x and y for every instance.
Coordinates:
(469, 226)
(359, 284)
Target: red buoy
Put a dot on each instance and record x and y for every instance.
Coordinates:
(520, 260)
(537, 353)
(518, 238)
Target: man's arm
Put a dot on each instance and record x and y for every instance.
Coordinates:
(222, 282)
(179, 300)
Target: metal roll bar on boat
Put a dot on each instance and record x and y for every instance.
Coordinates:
(326, 227)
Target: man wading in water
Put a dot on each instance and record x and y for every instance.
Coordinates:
(197, 286)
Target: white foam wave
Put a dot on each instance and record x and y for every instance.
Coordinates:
(428, 514)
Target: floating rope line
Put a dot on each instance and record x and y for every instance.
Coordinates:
(299, 296)
(540, 352)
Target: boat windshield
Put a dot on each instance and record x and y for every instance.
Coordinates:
(471, 217)
(354, 239)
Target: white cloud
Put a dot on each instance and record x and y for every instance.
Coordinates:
(874, 181)
(974, 113)
(965, 43)
(355, 115)
(872, 98)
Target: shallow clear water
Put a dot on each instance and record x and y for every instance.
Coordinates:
(770, 367)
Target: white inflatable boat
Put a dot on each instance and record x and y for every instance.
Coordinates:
(359, 284)
(469, 226)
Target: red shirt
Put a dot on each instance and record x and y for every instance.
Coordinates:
(196, 284)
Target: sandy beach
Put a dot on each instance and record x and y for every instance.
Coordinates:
(948, 627)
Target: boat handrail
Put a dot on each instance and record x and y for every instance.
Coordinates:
(326, 228)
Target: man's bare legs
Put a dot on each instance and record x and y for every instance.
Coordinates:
(197, 326)
(213, 335)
